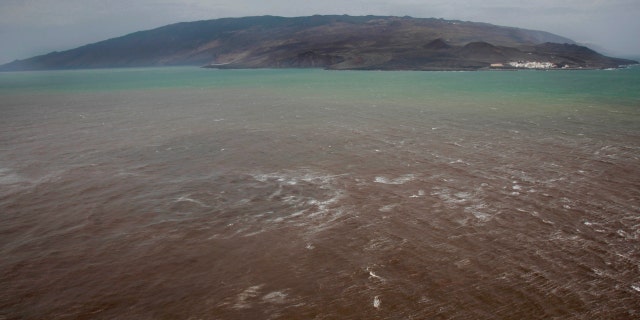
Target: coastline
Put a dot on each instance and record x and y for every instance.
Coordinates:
(229, 66)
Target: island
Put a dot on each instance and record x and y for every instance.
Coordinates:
(334, 42)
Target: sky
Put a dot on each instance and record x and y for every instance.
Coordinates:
(34, 27)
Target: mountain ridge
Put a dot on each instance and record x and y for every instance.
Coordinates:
(327, 41)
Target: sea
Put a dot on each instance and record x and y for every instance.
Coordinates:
(189, 193)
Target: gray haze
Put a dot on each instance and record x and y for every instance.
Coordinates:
(33, 27)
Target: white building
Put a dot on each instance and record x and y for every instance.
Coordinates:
(532, 65)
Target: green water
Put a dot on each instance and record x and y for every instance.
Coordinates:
(610, 86)
(572, 101)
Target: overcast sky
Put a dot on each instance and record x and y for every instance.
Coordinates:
(32, 27)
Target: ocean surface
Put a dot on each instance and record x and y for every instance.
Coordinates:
(187, 193)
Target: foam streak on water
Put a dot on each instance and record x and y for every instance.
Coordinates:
(287, 196)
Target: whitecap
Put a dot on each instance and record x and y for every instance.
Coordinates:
(446, 195)
(463, 195)
(276, 297)
(598, 272)
(186, 198)
(374, 276)
(458, 161)
(387, 208)
(313, 197)
(249, 293)
(399, 180)
(376, 302)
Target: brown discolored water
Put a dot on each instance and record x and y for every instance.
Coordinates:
(236, 203)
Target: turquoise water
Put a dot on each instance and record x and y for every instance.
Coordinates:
(616, 86)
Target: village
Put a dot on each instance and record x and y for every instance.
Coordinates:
(528, 65)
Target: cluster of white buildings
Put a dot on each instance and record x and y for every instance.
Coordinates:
(532, 65)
